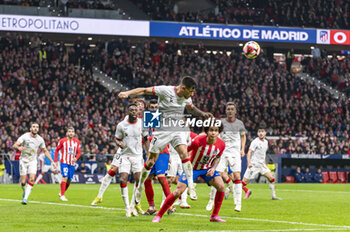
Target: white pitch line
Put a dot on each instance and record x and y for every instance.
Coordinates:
(311, 191)
(187, 214)
(303, 229)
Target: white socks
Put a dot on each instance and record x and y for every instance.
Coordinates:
(212, 193)
(184, 196)
(238, 193)
(104, 185)
(125, 195)
(38, 178)
(132, 205)
(188, 170)
(28, 190)
(138, 193)
(273, 191)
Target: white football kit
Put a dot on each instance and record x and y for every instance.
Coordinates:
(130, 158)
(28, 159)
(232, 137)
(259, 148)
(172, 108)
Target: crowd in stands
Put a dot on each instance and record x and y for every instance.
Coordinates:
(80, 4)
(294, 13)
(42, 82)
(332, 71)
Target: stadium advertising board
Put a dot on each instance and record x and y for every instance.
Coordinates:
(334, 37)
(232, 32)
(73, 25)
(171, 29)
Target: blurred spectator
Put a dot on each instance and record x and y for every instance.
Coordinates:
(318, 13)
(299, 176)
(101, 159)
(318, 178)
(2, 171)
(83, 169)
(308, 176)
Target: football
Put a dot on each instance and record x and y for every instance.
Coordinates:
(251, 49)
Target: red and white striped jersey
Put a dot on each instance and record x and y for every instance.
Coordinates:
(203, 154)
(70, 148)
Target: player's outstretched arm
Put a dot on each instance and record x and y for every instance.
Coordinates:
(137, 92)
(197, 112)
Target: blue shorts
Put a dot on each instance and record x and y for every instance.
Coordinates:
(229, 170)
(161, 165)
(197, 173)
(67, 170)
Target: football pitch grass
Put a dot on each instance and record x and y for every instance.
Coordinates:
(305, 207)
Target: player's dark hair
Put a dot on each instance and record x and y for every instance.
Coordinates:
(262, 126)
(34, 123)
(188, 82)
(153, 101)
(214, 122)
(141, 99)
(132, 104)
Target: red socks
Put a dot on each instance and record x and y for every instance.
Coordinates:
(111, 172)
(169, 201)
(63, 188)
(165, 185)
(238, 181)
(219, 197)
(147, 168)
(149, 192)
(244, 188)
(228, 180)
(272, 181)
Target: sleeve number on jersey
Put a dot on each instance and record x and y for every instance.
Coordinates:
(154, 140)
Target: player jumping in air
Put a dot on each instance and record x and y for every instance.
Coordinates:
(256, 163)
(234, 135)
(28, 144)
(206, 152)
(172, 102)
(70, 153)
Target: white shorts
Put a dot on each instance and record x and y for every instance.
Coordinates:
(130, 163)
(47, 168)
(162, 138)
(251, 173)
(116, 160)
(175, 167)
(230, 158)
(28, 167)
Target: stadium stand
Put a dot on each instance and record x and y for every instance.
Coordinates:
(311, 13)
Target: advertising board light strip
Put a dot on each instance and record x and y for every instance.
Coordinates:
(73, 25)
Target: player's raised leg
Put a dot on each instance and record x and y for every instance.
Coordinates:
(187, 169)
(144, 174)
